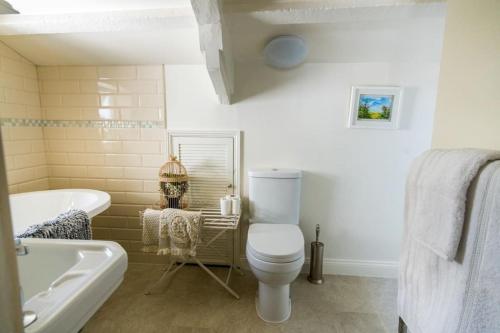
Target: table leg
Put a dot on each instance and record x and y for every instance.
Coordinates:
(216, 278)
(160, 285)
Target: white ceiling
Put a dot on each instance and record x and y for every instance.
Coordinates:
(85, 32)
(82, 6)
(165, 31)
(111, 48)
(374, 34)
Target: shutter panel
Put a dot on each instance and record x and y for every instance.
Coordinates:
(210, 165)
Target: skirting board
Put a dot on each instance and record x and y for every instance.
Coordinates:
(368, 268)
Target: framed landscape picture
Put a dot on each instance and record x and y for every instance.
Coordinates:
(375, 107)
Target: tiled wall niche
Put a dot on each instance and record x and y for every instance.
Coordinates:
(86, 127)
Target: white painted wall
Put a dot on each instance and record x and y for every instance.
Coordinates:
(353, 179)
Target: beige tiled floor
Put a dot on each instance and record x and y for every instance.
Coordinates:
(195, 303)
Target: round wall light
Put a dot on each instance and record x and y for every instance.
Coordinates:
(285, 52)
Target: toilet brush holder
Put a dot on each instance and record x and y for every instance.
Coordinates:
(316, 262)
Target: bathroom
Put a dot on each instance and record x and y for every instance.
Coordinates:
(98, 95)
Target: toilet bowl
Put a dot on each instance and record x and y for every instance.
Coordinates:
(275, 254)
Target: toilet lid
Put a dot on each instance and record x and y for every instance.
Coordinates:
(275, 242)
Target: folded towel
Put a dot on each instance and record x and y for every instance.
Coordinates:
(463, 295)
(150, 230)
(436, 192)
(180, 232)
(73, 224)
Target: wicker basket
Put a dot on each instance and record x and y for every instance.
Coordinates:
(173, 184)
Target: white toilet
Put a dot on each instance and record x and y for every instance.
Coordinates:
(275, 244)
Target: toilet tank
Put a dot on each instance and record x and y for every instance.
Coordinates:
(274, 195)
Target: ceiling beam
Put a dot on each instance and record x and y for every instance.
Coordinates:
(263, 5)
(6, 8)
(111, 21)
(329, 11)
(214, 43)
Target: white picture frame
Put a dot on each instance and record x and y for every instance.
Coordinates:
(376, 107)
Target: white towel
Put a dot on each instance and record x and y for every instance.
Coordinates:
(180, 232)
(150, 230)
(436, 192)
(463, 295)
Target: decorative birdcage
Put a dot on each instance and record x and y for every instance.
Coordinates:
(173, 184)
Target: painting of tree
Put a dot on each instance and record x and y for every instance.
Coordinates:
(375, 107)
(386, 112)
(363, 112)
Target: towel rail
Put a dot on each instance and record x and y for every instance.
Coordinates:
(212, 220)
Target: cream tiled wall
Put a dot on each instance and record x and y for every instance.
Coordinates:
(19, 99)
(102, 93)
(121, 161)
(86, 127)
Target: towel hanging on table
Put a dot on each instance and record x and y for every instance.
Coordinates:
(150, 230)
(179, 232)
(171, 231)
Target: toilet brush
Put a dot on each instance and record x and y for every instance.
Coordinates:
(316, 262)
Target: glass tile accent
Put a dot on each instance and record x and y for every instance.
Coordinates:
(21, 122)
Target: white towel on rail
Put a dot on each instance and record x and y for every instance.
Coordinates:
(436, 193)
(179, 232)
(150, 230)
(459, 296)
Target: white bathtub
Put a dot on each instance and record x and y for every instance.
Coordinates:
(37, 207)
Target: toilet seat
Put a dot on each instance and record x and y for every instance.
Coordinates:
(275, 243)
(274, 267)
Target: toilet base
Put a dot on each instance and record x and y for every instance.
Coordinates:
(273, 303)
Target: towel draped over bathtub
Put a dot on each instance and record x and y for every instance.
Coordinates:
(171, 231)
(73, 224)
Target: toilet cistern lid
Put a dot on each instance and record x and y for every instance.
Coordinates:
(275, 173)
(276, 242)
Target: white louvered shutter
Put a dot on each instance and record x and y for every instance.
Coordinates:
(210, 165)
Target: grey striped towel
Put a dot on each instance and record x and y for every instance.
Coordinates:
(73, 224)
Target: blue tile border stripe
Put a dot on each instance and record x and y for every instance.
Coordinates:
(21, 122)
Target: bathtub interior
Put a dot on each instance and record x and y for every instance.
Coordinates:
(37, 207)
